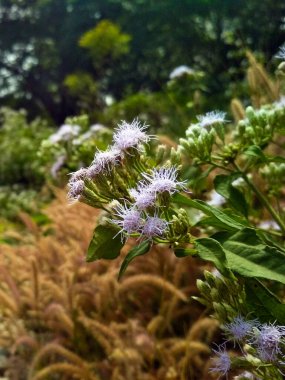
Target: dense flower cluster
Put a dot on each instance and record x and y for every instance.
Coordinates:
(140, 205)
(264, 341)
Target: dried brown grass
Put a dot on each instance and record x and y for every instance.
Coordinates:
(63, 318)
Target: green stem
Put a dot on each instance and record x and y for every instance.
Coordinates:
(263, 200)
(219, 166)
(166, 214)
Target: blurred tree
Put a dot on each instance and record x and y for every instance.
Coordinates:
(105, 43)
(39, 45)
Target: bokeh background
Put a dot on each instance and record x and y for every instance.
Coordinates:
(70, 70)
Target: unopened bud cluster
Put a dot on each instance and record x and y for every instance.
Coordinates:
(274, 174)
(200, 137)
(225, 296)
(259, 126)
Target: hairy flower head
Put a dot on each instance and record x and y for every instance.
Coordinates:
(222, 361)
(239, 328)
(130, 218)
(128, 136)
(106, 159)
(143, 197)
(154, 226)
(164, 180)
(211, 118)
(76, 188)
(103, 162)
(79, 174)
(267, 341)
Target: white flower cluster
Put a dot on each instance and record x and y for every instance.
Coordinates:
(65, 133)
(92, 132)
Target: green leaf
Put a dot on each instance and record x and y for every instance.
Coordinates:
(223, 185)
(211, 250)
(247, 255)
(184, 252)
(221, 219)
(256, 152)
(265, 305)
(104, 244)
(276, 159)
(138, 250)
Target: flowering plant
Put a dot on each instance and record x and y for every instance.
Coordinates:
(137, 184)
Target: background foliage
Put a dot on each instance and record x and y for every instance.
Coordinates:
(148, 39)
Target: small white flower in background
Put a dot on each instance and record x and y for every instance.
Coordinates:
(76, 188)
(164, 180)
(128, 136)
(238, 182)
(65, 133)
(154, 226)
(92, 132)
(131, 220)
(281, 53)
(212, 118)
(95, 128)
(244, 376)
(82, 138)
(269, 225)
(280, 103)
(57, 165)
(216, 199)
(180, 71)
(143, 197)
